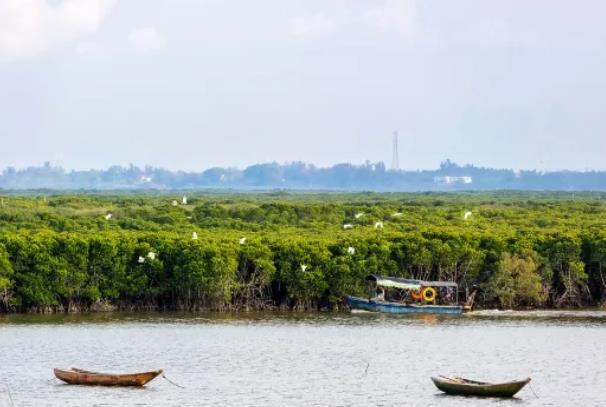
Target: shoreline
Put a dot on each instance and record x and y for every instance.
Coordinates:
(282, 310)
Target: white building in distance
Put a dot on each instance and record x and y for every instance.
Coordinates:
(452, 180)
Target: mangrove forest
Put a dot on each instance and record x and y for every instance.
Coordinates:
(193, 250)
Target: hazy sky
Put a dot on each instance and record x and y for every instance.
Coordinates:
(191, 84)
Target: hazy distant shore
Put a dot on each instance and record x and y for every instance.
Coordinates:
(303, 177)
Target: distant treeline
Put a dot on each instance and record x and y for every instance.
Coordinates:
(301, 176)
(296, 251)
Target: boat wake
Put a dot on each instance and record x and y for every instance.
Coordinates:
(582, 313)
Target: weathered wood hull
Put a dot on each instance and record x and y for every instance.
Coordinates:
(78, 376)
(464, 387)
(396, 308)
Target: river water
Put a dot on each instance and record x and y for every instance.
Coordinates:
(322, 359)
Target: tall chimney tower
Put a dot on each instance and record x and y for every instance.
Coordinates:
(395, 159)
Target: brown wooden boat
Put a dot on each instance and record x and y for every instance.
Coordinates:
(466, 387)
(79, 376)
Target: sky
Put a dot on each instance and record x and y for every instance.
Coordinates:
(194, 84)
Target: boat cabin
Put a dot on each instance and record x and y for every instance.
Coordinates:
(408, 291)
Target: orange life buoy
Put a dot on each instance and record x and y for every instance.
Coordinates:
(429, 294)
(416, 295)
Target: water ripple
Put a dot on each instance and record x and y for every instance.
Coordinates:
(322, 359)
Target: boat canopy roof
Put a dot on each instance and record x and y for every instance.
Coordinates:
(407, 284)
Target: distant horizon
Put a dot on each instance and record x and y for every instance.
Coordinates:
(287, 163)
(299, 175)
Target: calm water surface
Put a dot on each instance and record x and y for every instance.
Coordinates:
(305, 359)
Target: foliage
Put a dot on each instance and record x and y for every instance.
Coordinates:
(515, 283)
(6, 275)
(277, 249)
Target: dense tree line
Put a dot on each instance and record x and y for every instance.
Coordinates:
(302, 176)
(242, 251)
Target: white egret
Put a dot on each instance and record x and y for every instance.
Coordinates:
(194, 235)
(303, 267)
(351, 250)
(108, 216)
(347, 226)
(141, 259)
(359, 215)
(242, 240)
(378, 225)
(467, 215)
(151, 255)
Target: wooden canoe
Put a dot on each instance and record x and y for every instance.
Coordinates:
(79, 376)
(466, 387)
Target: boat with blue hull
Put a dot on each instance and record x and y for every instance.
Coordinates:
(395, 295)
(397, 308)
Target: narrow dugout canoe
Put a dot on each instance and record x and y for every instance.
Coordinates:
(466, 387)
(79, 376)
